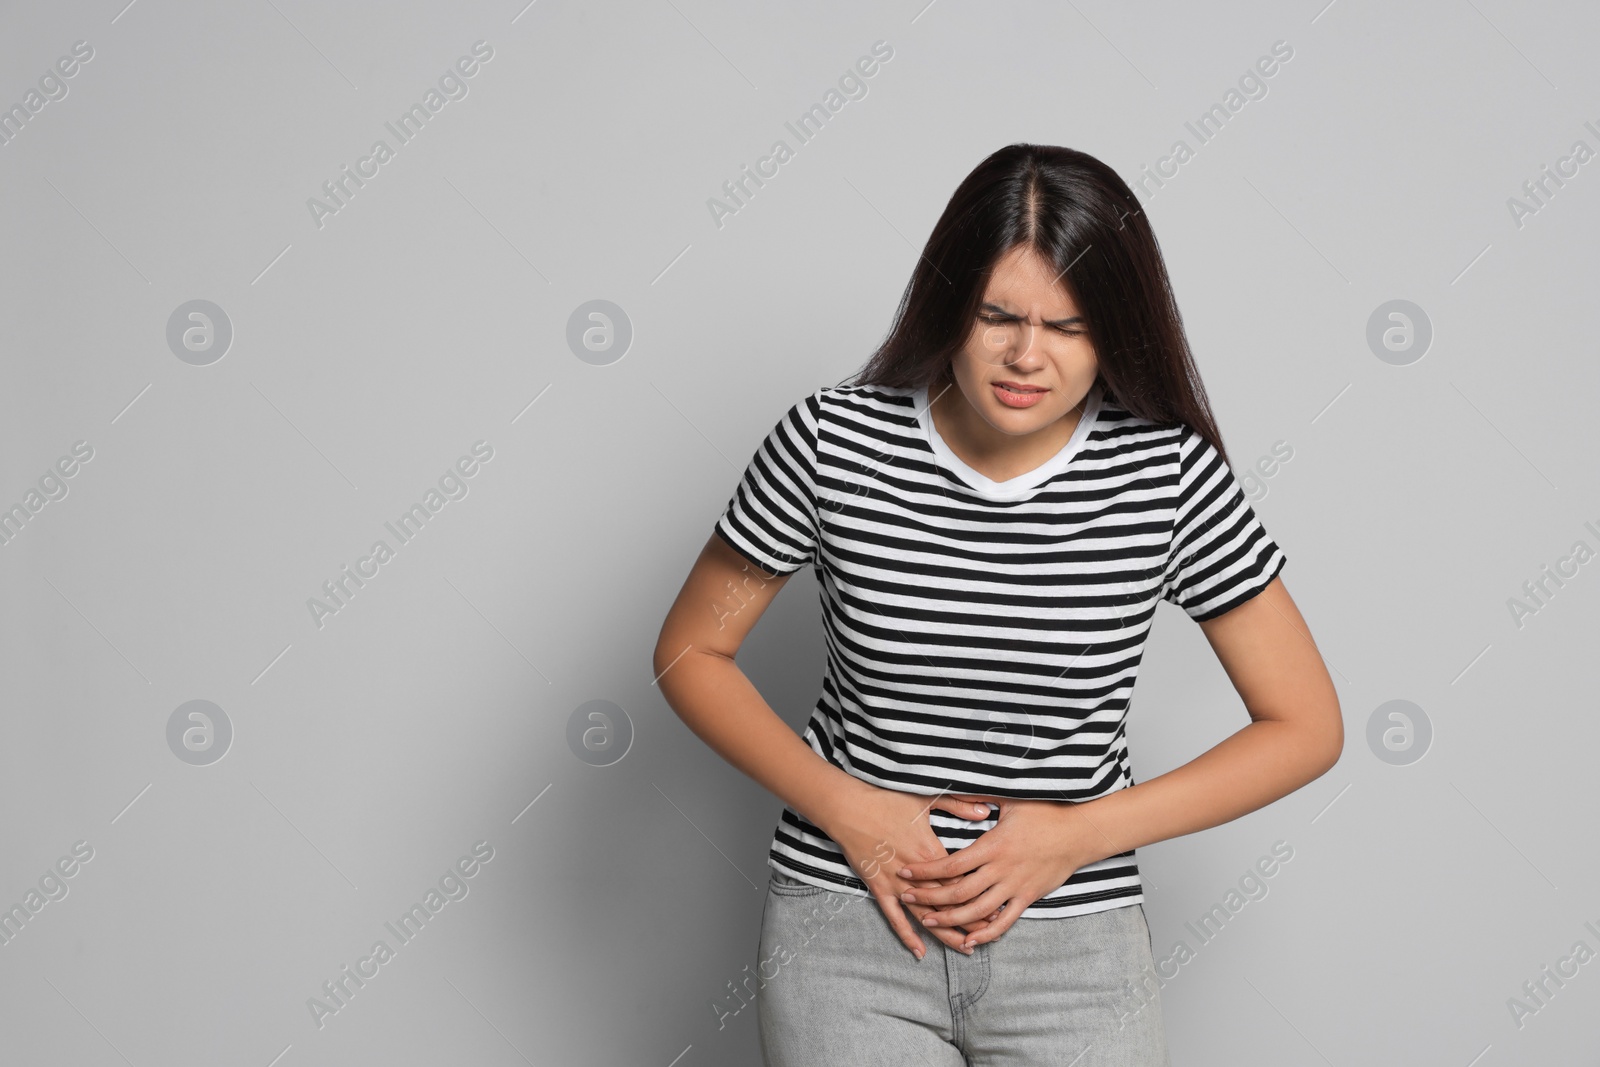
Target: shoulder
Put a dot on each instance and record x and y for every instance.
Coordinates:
(866, 396)
(1123, 437)
(863, 408)
(873, 413)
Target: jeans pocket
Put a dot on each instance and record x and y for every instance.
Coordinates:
(783, 885)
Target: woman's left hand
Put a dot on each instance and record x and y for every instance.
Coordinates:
(1034, 846)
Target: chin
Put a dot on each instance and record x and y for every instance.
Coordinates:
(1020, 421)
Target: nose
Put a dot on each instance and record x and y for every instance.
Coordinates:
(1030, 353)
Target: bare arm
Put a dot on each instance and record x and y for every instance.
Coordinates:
(1295, 736)
(717, 607)
(719, 604)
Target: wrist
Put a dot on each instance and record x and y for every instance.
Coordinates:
(1081, 841)
(839, 792)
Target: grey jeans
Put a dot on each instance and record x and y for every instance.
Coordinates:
(838, 987)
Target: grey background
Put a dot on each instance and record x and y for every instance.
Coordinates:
(432, 711)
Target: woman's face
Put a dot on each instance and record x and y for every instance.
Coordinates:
(1029, 335)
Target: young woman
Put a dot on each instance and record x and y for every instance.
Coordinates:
(994, 507)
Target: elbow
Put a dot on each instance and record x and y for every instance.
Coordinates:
(675, 650)
(1331, 738)
(666, 654)
(1331, 758)
(1314, 742)
(660, 657)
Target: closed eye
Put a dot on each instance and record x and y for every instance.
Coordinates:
(1001, 320)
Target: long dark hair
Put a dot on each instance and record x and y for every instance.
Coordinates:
(1079, 215)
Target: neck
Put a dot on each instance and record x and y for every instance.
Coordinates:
(996, 454)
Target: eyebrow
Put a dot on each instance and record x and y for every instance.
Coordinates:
(1076, 320)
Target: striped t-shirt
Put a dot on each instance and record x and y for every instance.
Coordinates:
(984, 637)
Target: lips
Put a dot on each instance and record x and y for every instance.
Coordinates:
(1018, 396)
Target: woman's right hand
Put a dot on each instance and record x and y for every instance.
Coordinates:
(878, 830)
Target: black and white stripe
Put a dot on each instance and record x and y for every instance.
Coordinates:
(984, 637)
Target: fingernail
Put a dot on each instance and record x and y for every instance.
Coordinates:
(929, 920)
(919, 953)
(909, 895)
(905, 872)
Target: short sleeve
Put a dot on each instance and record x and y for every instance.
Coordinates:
(771, 519)
(1221, 555)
